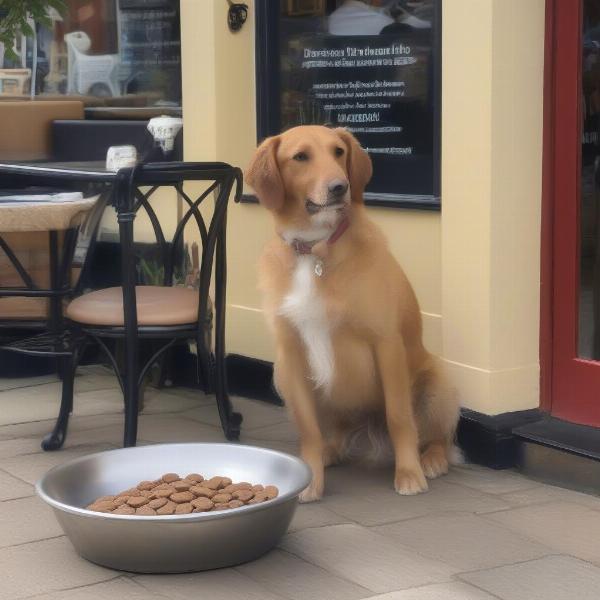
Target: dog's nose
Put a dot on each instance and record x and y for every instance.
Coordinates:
(337, 187)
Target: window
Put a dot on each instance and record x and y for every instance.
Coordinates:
(111, 53)
(370, 66)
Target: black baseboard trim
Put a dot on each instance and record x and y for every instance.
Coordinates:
(489, 439)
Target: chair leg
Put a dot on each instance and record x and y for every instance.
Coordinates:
(131, 397)
(230, 421)
(55, 439)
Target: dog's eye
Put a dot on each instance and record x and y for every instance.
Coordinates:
(301, 156)
(339, 151)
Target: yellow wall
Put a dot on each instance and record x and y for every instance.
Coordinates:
(486, 285)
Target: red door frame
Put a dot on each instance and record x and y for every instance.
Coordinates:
(570, 385)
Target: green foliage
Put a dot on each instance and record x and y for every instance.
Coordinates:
(13, 19)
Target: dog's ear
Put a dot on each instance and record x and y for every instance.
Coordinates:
(358, 164)
(263, 174)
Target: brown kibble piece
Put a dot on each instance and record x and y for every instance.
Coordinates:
(167, 509)
(163, 492)
(181, 497)
(170, 477)
(102, 506)
(195, 477)
(225, 481)
(105, 498)
(234, 487)
(130, 492)
(120, 500)
(258, 498)
(137, 501)
(124, 509)
(221, 498)
(145, 510)
(182, 486)
(236, 504)
(258, 488)
(243, 495)
(214, 483)
(202, 504)
(271, 492)
(146, 493)
(221, 506)
(200, 490)
(146, 485)
(183, 509)
(157, 503)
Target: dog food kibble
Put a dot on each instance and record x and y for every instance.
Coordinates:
(137, 501)
(181, 497)
(157, 503)
(172, 495)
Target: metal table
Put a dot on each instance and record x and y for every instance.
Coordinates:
(127, 198)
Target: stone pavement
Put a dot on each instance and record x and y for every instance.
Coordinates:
(476, 535)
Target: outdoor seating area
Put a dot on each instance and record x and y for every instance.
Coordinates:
(299, 299)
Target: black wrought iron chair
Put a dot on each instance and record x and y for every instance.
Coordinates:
(167, 313)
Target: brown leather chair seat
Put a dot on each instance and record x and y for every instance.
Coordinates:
(156, 306)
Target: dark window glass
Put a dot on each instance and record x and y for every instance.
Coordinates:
(369, 66)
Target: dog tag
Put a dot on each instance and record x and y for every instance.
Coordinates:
(319, 268)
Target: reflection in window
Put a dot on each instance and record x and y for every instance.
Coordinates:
(110, 52)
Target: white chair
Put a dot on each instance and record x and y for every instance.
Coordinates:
(87, 71)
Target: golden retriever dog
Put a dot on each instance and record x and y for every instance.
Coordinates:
(347, 325)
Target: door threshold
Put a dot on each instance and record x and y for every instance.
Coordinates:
(560, 453)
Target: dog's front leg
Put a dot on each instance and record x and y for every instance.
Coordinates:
(393, 368)
(296, 388)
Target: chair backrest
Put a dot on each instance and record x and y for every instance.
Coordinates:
(221, 180)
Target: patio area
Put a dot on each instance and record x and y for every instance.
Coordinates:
(477, 534)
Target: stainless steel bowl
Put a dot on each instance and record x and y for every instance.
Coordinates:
(176, 543)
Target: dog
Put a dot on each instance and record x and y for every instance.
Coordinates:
(346, 321)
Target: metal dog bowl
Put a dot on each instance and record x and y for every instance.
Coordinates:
(174, 543)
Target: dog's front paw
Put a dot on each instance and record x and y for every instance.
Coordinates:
(311, 494)
(434, 461)
(409, 482)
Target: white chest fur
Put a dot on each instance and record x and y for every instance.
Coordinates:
(305, 309)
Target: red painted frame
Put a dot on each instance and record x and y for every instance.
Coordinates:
(570, 385)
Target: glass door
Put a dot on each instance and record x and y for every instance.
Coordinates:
(574, 182)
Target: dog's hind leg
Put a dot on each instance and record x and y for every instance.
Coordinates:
(436, 412)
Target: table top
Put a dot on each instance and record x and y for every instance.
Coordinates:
(96, 172)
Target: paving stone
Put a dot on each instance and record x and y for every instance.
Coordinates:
(566, 527)
(45, 566)
(11, 487)
(365, 557)
(439, 591)
(463, 541)
(26, 520)
(550, 578)
(222, 584)
(120, 588)
(294, 578)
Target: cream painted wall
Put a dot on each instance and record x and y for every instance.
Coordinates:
(220, 123)
(486, 285)
(491, 188)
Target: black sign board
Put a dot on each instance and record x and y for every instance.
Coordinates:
(383, 88)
